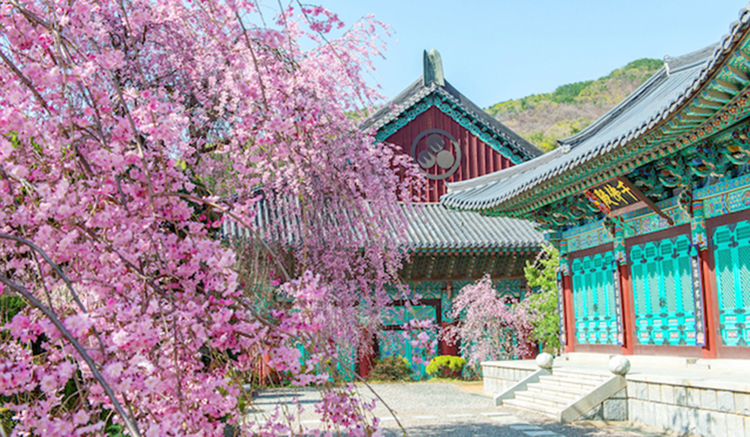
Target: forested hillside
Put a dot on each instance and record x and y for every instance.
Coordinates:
(543, 119)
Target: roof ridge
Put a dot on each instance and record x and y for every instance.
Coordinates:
(433, 82)
(505, 173)
(676, 65)
(652, 105)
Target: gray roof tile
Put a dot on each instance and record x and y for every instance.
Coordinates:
(430, 226)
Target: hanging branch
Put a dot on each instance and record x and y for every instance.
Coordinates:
(130, 424)
(52, 264)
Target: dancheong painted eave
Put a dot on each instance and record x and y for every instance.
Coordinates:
(690, 99)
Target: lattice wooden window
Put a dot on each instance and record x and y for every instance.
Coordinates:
(732, 262)
(594, 299)
(663, 292)
(393, 340)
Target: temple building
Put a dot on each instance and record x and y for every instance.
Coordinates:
(452, 140)
(650, 208)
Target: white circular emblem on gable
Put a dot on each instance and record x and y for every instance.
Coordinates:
(433, 151)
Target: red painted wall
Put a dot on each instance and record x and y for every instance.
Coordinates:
(477, 157)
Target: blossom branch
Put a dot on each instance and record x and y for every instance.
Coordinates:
(266, 247)
(55, 267)
(25, 80)
(130, 424)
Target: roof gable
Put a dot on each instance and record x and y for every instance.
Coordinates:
(432, 90)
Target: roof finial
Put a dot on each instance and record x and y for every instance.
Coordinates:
(666, 64)
(433, 68)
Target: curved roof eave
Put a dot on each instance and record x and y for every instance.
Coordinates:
(652, 105)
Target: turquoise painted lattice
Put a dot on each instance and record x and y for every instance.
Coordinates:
(398, 342)
(401, 315)
(664, 297)
(594, 299)
(346, 366)
(732, 261)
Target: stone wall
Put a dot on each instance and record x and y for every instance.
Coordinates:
(614, 408)
(709, 398)
(498, 376)
(708, 411)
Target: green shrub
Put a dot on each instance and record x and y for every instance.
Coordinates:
(446, 366)
(391, 369)
(543, 304)
(10, 305)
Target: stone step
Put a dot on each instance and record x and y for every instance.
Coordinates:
(577, 374)
(568, 382)
(543, 399)
(531, 406)
(564, 392)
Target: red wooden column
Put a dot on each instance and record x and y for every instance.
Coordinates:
(708, 283)
(709, 306)
(447, 348)
(366, 357)
(628, 309)
(569, 316)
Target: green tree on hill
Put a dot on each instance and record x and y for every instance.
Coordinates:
(545, 118)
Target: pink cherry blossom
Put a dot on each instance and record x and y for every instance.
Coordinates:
(489, 327)
(130, 133)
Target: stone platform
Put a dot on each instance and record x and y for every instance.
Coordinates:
(684, 395)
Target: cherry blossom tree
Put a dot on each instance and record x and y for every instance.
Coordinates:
(489, 327)
(117, 119)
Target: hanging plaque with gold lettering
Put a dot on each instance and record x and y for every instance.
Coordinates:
(612, 196)
(619, 196)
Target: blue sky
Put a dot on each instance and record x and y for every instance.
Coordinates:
(498, 50)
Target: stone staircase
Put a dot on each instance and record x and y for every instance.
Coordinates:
(565, 394)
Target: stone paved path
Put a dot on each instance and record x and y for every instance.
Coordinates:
(443, 409)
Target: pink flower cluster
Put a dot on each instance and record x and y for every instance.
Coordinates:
(489, 327)
(120, 122)
(423, 347)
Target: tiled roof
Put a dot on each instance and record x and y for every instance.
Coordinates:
(430, 226)
(659, 98)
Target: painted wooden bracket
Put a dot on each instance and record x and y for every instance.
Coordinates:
(645, 199)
